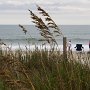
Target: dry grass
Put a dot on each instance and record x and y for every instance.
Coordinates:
(43, 69)
(40, 69)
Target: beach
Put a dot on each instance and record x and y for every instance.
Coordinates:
(14, 37)
(44, 45)
(27, 63)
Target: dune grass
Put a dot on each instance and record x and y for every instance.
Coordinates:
(42, 70)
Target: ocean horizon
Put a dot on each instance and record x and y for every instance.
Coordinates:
(13, 35)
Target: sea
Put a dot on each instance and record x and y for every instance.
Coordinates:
(14, 37)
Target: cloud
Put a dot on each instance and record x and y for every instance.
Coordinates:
(47, 4)
(17, 3)
(66, 10)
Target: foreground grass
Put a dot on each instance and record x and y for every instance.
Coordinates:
(42, 70)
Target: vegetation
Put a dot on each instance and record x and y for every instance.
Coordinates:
(43, 69)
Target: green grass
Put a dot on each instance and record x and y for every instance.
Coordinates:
(40, 70)
(1, 85)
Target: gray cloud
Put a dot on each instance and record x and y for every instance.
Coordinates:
(50, 5)
(66, 10)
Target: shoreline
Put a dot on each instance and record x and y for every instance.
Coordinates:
(77, 56)
(40, 47)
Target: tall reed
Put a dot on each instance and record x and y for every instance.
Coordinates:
(43, 69)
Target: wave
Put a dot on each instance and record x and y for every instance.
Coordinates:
(26, 39)
(32, 47)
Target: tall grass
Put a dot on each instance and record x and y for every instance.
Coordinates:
(43, 69)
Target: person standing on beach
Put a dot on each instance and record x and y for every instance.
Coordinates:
(69, 45)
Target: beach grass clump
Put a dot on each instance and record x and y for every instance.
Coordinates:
(47, 70)
(43, 69)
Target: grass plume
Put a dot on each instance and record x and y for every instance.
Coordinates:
(42, 69)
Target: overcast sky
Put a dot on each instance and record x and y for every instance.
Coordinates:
(62, 11)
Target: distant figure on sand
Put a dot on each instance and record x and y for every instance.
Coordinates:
(69, 45)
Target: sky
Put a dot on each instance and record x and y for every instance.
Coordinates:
(63, 12)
